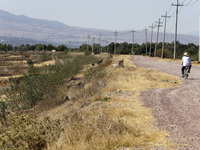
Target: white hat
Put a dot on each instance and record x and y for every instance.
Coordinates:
(185, 54)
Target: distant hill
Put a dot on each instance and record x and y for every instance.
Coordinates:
(19, 29)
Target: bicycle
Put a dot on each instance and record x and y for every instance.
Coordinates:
(186, 72)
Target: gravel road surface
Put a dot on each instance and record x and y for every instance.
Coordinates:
(177, 110)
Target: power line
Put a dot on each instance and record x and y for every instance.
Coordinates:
(182, 2)
(190, 20)
(169, 9)
(188, 3)
(191, 4)
(173, 14)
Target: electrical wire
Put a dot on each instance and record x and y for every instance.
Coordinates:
(169, 9)
(188, 4)
(182, 2)
(191, 20)
(180, 9)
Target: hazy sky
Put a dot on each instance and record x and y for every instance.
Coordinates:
(110, 14)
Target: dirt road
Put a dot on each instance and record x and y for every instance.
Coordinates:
(177, 110)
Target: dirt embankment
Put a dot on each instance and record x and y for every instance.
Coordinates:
(177, 110)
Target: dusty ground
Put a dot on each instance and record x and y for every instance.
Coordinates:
(177, 110)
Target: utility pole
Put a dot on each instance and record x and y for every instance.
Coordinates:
(163, 44)
(157, 36)
(93, 39)
(133, 31)
(145, 30)
(88, 41)
(151, 37)
(100, 49)
(176, 27)
(115, 34)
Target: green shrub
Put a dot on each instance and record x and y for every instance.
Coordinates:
(96, 52)
(41, 84)
(166, 53)
(194, 57)
(105, 99)
(87, 52)
(30, 62)
(45, 56)
(3, 111)
(62, 55)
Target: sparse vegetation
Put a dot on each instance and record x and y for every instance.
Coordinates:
(99, 108)
(45, 56)
(87, 52)
(106, 99)
(41, 83)
(120, 122)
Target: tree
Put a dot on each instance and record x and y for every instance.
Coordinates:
(31, 47)
(40, 47)
(62, 48)
(96, 48)
(22, 48)
(111, 47)
(50, 47)
(84, 47)
(125, 48)
(192, 49)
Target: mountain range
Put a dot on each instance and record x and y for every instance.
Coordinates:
(20, 29)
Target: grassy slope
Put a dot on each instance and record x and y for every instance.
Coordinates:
(108, 113)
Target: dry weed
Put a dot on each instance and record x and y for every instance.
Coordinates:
(107, 113)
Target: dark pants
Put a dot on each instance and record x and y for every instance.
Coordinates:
(183, 68)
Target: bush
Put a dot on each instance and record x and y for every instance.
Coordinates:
(87, 52)
(26, 133)
(96, 52)
(166, 53)
(45, 56)
(3, 112)
(194, 57)
(62, 55)
(30, 62)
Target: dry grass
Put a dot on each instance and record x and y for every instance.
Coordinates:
(50, 62)
(107, 113)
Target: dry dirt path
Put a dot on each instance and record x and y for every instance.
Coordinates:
(177, 110)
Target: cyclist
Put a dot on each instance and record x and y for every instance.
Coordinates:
(186, 62)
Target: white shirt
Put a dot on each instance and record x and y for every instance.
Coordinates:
(186, 61)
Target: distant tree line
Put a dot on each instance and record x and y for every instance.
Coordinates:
(126, 48)
(118, 48)
(36, 47)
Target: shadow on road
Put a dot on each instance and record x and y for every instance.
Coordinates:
(193, 79)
